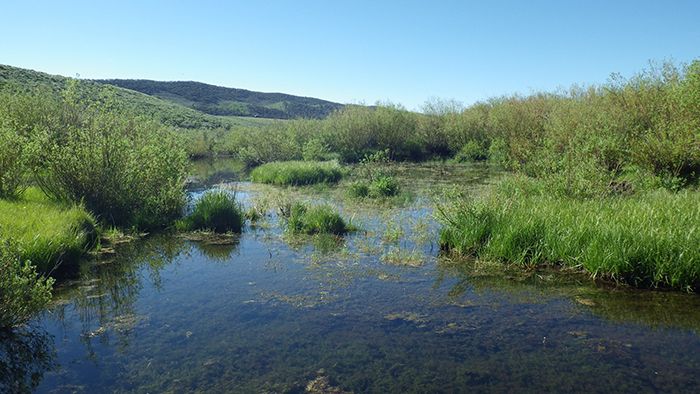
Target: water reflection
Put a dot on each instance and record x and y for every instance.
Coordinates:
(653, 309)
(209, 172)
(26, 354)
(267, 312)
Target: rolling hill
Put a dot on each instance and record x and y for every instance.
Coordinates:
(222, 101)
(185, 105)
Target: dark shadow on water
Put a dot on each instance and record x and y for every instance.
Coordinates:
(26, 354)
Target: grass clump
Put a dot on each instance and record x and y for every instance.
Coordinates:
(381, 187)
(216, 211)
(297, 173)
(46, 232)
(647, 240)
(320, 219)
(23, 292)
(376, 181)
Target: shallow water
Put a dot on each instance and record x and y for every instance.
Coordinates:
(375, 312)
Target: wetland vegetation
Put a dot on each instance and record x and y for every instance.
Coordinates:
(297, 173)
(482, 224)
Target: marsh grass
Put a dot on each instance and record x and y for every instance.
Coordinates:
(297, 173)
(47, 233)
(217, 211)
(317, 219)
(648, 240)
(402, 257)
(23, 292)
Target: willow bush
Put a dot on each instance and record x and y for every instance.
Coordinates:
(127, 170)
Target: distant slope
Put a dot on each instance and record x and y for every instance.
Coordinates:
(217, 100)
(165, 111)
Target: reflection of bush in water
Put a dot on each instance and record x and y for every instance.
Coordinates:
(25, 355)
(110, 287)
(218, 249)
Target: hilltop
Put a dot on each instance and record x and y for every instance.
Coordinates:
(223, 101)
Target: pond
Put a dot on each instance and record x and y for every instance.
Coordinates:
(376, 311)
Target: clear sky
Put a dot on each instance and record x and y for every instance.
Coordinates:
(352, 51)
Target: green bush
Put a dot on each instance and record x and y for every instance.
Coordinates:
(14, 162)
(23, 293)
(315, 220)
(297, 173)
(316, 150)
(650, 239)
(471, 152)
(128, 171)
(217, 211)
(384, 186)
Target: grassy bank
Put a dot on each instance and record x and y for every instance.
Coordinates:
(46, 233)
(647, 240)
(297, 173)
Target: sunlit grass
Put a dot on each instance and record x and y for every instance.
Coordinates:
(297, 173)
(45, 231)
(650, 239)
(217, 211)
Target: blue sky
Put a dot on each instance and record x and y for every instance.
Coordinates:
(353, 51)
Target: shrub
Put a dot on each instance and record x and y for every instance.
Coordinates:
(23, 293)
(470, 152)
(315, 220)
(315, 150)
(297, 173)
(14, 162)
(217, 211)
(128, 171)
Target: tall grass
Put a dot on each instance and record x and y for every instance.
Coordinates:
(297, 173)
(23, 292)
(217, 211)
(650, 239)
(320, 219)
(45, 232)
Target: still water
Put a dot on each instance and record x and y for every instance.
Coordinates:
(376, 311)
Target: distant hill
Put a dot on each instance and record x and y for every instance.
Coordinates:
(217, 100)
(166, 111)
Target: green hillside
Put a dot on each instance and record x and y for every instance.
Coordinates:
(165, 111)
(217, 100)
